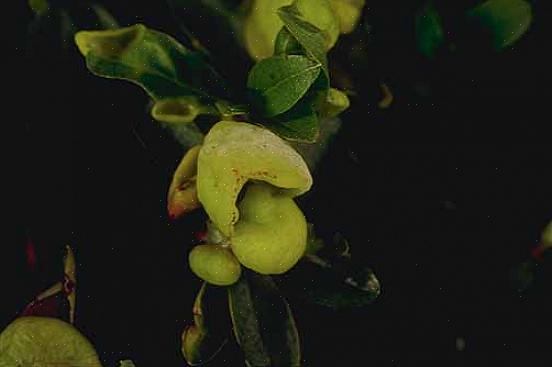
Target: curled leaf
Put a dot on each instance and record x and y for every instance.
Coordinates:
(177, 110)
(182, 195)
(336, 102)
(235, 152)
(111, 43)
(151, 59)
(202, 341)
(386, 96)
(44, 341)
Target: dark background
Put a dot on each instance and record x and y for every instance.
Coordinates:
(442, 195)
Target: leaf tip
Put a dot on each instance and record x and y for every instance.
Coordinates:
(109, 43)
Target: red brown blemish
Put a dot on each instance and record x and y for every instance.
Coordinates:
(537, 253)
(68, 285)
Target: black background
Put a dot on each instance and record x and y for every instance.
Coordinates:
(441, 195)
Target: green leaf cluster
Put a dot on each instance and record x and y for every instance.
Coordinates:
(290, 91)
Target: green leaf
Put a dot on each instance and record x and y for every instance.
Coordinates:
(311, 38)
(278, 83)
(263, 323)
(507, 20)
(202, 341)
(53, 342)
(151, 59)
(286, 44)
(300, 124)
(321, 14)
(429, 31)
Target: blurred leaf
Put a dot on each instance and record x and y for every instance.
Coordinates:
(312, 153)
(202, 341)
(39, 7)
(546, 236)
(151, 59)
(261, 27)
(263, 323)
(279, 82)
(314, 243)
(56, 22)
(429, 31)
(126, 363)
(386, 96)
(67, 29)
(340, 246)
(263, 24)
(105, 19)
(506, 20)
(348, 13)
(227, 109)
(199, 20)
(523, 275)
(328, 277)
(334, 285)
(187, 135)
(44, 341)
